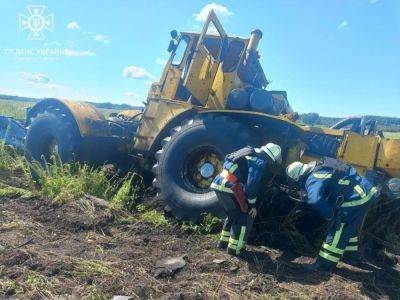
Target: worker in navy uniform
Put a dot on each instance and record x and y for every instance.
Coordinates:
(237, 187)
(342, 197)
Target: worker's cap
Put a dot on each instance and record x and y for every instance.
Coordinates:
(297, 169)
(273, 151)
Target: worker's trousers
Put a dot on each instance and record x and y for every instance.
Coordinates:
(237, 225)
(343, 233)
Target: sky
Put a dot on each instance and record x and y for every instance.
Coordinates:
(333, 57)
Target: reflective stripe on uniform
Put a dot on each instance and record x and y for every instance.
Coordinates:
(233, 244)
(344, 182)
(322, 175)
(240, 243)
(360, 191)
(224, 238)
(252, 201)
(224, 173)
(332, 249)
(328, 256)
(354, 239)
(233, 241)
(363, 200)
(251, 158)
(351, 248)
(233, 168)
(225, 235)
(220, 188)
(337, 236)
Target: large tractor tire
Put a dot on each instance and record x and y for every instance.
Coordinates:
(189, 160)
(53, 132)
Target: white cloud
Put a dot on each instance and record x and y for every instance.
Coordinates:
(342, 25)
(35, 77)
(38, 85)
(73, 25)
(87, 33)
(148, 83)
(220, 10)
(373, 1)
(71, 42)
(161, 61)
(136, 72)
(102, 38)
(75, 53)
(41, 81)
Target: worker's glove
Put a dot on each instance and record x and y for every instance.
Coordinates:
(253, 212)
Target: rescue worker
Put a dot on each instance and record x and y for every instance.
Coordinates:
(342, 197)
(237, 187)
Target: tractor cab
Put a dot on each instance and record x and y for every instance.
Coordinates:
(205, 67)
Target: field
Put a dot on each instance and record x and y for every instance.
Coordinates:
(392, 135)
(18, 109)
(15, 109)
(84, 232)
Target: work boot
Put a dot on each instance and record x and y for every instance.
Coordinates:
(222, 245)
(320, 267)
(242, 253)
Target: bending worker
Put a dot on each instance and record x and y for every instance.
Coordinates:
(237, 187)
(342, 197)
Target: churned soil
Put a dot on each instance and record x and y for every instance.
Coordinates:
(50, 251)
(86, 250)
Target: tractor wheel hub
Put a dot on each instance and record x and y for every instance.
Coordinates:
(207, 170)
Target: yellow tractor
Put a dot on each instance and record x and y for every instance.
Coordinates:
(210, 100)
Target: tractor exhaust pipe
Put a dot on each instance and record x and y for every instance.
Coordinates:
(255, 38)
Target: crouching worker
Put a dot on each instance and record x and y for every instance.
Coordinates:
(342, 197)
(237, 187)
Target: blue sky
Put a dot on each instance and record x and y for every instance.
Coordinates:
(336, 57)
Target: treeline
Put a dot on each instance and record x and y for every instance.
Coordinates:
(105, 105)
(384, 123)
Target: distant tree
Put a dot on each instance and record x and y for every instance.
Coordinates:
(310, 118)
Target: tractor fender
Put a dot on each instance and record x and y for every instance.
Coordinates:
(279, 129)
(176, 121)
(259, 117)
(88, 119)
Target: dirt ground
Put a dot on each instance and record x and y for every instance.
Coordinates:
(48, 251)
(84, 250)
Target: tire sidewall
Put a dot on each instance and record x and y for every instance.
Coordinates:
(47, 126)
(210, 133)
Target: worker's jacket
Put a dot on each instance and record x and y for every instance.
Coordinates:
(232, 172)
(351, 190)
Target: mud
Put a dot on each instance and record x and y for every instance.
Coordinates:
(48, 251)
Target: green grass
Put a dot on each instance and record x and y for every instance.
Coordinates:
(89, 268)
(14, 192)
(10, 159)
(68, 182)
(127, 196)
(18, 109)
(15, 109)
(208, 224)
(392, 135)
(65, 182)
(152, 217)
